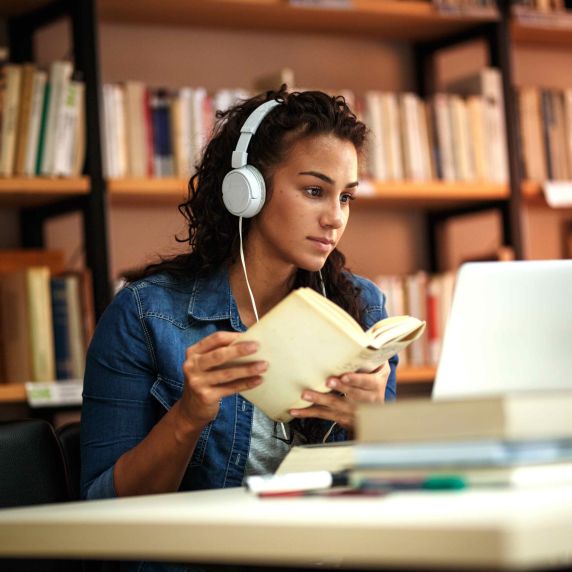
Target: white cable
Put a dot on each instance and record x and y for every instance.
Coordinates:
(244, 269)
(256, 311)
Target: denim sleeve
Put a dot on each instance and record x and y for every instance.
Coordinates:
(118, 410)
(375, 310)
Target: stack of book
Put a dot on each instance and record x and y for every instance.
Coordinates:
(516, 440)
(522, 439)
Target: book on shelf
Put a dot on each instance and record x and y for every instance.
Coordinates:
(27, 331)
(487, 83)
(306, 338)
(526, 415)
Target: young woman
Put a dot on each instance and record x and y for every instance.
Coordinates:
(161, 408)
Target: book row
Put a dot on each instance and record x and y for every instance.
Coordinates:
(427, 297)
(42, 120)
(457, 136)
(46, 323)
(545, 130)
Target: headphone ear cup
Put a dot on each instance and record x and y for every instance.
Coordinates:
(244, 191)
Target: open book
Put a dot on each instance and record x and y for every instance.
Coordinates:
(306, 338)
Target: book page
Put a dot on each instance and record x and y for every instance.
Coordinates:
(333, 457)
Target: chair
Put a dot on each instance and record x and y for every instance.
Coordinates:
(68, 436)
(32, 471)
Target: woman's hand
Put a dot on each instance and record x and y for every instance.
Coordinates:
(208, 379)
(348, 390)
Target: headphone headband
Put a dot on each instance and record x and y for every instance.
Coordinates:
(239, 155)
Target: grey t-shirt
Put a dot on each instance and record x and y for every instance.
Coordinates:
(266, 451)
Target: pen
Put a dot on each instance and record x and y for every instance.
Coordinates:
(430, 482)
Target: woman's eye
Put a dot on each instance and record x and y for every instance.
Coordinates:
(314, 191)
(346, 198)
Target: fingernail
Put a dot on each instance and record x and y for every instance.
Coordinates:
(250, 346)
(294, 413)
(331, 383)
(307, 396)
(345, 379)
(261, 366)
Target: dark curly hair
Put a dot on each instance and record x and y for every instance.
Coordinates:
(213, 231)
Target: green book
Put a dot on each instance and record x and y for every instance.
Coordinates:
(42, 137)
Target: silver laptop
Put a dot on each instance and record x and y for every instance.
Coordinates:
(510, 329)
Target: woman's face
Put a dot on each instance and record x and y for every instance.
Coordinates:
(308, 208)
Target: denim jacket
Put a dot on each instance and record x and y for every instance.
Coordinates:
(134, 375)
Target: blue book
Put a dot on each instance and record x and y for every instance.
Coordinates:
(60, 317)
(162, 147)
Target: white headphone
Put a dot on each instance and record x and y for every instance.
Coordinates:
(243, 188)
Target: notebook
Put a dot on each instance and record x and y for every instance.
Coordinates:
(509, 330)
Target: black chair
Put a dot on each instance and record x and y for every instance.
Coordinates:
(68, 436)
(32, 471)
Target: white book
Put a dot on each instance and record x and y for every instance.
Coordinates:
(11, 103)
(60, 74)
(38, 94)
(199, 122)
(66, 130)
(120, 132)
(461, 139)
(186, 132)
(394, 147)
(412, 138)
(108, 169)
(136, 128)
(377, 153)
(445, 136)
(307, 338)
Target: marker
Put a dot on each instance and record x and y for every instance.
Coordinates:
(295, 482)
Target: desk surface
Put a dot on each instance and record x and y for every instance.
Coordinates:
(477, 528)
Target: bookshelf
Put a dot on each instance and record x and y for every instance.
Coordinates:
(390, 19)
(21, 192)
(393, 194)
(412, 22)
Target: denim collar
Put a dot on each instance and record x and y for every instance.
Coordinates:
(212, 299)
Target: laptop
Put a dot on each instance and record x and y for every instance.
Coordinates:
(509, 330)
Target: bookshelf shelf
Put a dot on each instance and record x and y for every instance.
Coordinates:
(11, 8)
(399, 194)
(12, 393)
(23, 191)
(557, 36)
(16, 392)
(415, 374)
(392, 19)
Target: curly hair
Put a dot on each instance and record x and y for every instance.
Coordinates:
(212, 231)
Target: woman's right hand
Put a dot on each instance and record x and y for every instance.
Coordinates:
(207, 380)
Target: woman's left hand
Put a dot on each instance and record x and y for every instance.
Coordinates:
(348, 390)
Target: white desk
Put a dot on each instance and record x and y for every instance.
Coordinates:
(496, 529)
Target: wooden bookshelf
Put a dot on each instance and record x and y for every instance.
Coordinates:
(415, 374)
(396, 194)
(16, 392)
(11, 8)
(392, 19)
(28, 191)
(552, 30)
(12, 393)
(533, 195)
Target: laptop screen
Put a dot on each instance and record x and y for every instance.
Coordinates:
(510, 329)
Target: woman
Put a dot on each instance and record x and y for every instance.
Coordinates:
(161, 407)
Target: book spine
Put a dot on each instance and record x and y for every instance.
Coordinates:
(37, 105)
(60, 312)
(60, 73)
(28, 74)
(40, 325)
(43, 128)
(10, 119)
